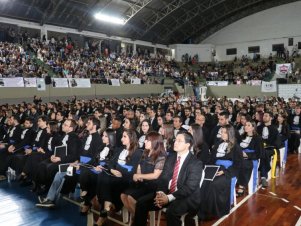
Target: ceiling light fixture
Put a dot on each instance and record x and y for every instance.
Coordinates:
(109, 19)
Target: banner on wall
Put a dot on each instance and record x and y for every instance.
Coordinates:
(217, 83)
(115, 82)
(289, 91)
(256, 82)
(12, 82)
(268, 87)
(60, 82)
(30, 82)
(136, 81)
(282, 70)
(41, 86)
(79, 83)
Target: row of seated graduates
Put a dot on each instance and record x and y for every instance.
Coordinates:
(223, 119)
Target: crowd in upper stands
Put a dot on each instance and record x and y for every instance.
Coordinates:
(65, 59)
(131, 147)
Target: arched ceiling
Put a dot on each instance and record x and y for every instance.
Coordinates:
(157, 21)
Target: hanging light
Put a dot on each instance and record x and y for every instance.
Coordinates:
(109, 19)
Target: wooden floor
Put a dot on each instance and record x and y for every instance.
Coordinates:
(279, 205)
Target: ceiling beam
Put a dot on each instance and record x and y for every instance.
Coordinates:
(135, 8)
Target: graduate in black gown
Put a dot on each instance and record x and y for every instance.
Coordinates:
(215, 195)
(252, 147)
(149, 169)
(118, 175)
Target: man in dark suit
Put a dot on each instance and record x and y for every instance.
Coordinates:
(153, 119)
(177, 124)
(178, 186)
(188, 118)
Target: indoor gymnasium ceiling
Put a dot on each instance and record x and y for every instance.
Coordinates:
(157, 21)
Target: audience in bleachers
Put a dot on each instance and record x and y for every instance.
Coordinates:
(38, 58)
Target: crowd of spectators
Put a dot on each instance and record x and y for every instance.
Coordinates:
(63, 58)
(225, 127)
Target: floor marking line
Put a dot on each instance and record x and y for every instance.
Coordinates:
(235, 208)
(298, 222)
(298, 208)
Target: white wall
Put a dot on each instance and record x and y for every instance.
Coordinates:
(203, 51)
(272, 26)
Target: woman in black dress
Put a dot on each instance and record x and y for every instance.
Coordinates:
(87, 177)
(149, 169)
(252, 146)
(117, 175)
(215, 195)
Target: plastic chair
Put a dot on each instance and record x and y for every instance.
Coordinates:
(274, 164)
(283, 154)
(153, 213)
(253, 182)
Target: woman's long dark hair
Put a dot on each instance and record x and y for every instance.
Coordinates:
(253, 123)
(133, 142)
(112, 138)
(149, 124)
(231, 137)
(157, 145)
(112, 142)
(198, 138)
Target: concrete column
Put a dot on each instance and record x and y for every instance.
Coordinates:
(44, 32)
(134, 48)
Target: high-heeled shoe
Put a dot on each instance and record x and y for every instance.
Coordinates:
(103, 216)
(240, 192)
(85, 210)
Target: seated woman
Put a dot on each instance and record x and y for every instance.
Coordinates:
(252, 146)
(145, 127)
(215, 195)
(118, 175)
(88, 178)
(283, 128)
(149, 169)
(167, 131)
(200, 149)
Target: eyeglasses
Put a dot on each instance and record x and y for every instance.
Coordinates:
(180, 141)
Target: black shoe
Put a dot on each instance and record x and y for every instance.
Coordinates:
(86, 209)
(34, 187)
(21, 178)
(103, 213)
(240, 192)
(46, 204)
(264, 182)
(25, 183)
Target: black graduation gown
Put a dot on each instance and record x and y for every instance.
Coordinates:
(215, 195)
